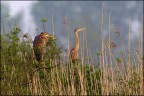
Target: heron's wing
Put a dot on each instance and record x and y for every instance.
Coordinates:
(37, 41)
(37, 47)
(73, 54)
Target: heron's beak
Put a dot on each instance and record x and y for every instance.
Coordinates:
(51, 36)
(82, 29)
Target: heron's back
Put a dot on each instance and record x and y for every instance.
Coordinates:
(39, 46)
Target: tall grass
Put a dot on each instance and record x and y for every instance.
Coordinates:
(21, 74)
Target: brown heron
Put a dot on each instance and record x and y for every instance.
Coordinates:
(74, 51)
(39, 45)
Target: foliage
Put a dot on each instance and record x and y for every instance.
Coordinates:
(43, 20)
(21, 74)
(17, 66)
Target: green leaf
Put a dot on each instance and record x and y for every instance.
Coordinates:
(43, 20)
(118, 60)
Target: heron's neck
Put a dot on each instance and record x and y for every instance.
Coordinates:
(77, 41)
(44, 39)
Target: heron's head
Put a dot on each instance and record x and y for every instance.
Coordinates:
(47, 35)
(79, 29)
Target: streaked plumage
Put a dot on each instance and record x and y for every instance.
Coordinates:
(39, 45)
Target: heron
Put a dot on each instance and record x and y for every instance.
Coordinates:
(74, 51)
(39, 44)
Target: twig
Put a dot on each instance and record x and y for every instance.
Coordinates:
(3, 26)
(52, 23)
